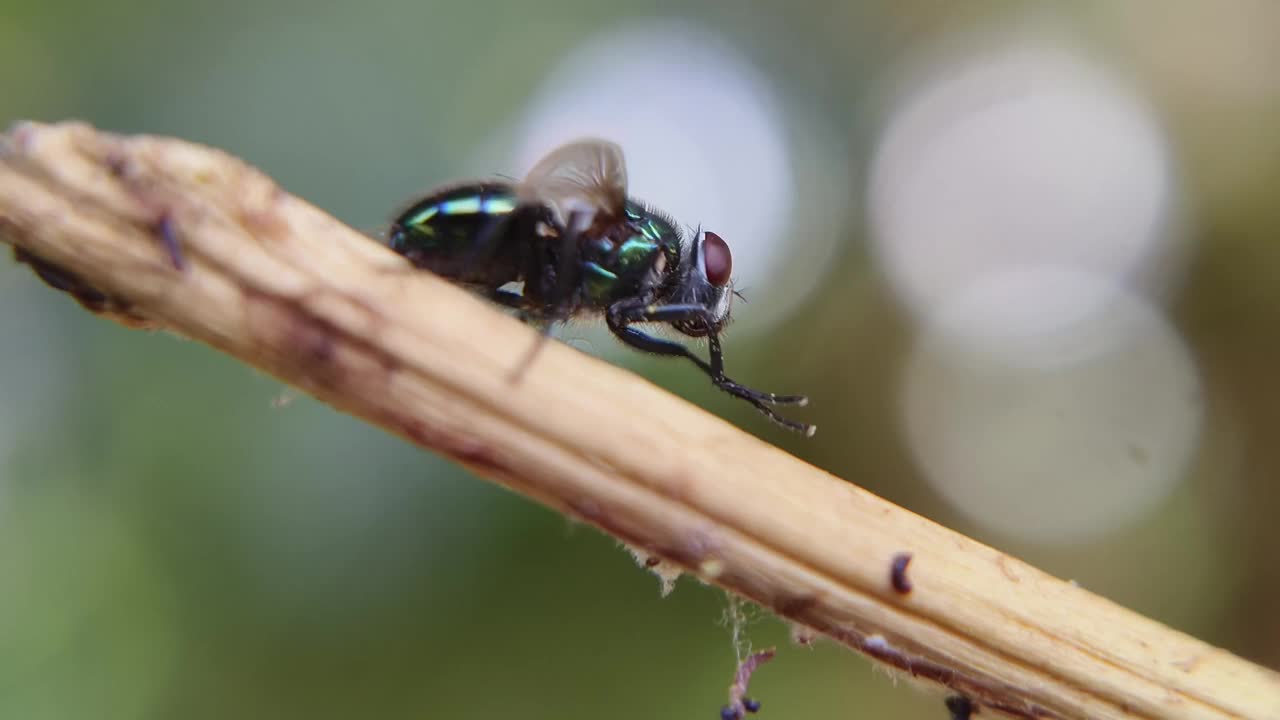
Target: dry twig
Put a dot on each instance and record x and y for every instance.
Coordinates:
(160, 232)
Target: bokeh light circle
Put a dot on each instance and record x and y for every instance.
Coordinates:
(1026, 154)
(1052, 431)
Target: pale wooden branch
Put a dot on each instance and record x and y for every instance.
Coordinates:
(282, 286)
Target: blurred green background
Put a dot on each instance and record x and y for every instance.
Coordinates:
(1023, 258)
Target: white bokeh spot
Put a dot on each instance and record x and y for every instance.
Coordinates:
(1023, 155)
(1054, 431)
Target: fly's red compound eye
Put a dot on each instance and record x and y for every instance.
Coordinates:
(717, 259)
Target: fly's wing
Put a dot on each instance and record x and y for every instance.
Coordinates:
(586, 177)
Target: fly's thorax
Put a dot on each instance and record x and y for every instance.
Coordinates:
(622, 263)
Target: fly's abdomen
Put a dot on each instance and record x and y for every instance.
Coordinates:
(470, 234)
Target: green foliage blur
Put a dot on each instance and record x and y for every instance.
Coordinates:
(177, 539)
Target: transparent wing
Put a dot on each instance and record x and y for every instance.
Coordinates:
(588, 177)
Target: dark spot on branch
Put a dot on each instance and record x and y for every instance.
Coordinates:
(466, 450)
(90, 298)
(795, 605)
(588, 510)
(898, 573)
(166, 228)
(321, 354)
(145, 192)
(117, 163)
(61, 279)
(310, 342)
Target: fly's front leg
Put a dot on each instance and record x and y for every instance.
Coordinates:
(715, 368)
(621, 315)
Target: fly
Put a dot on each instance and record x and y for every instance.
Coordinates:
(576, 244)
